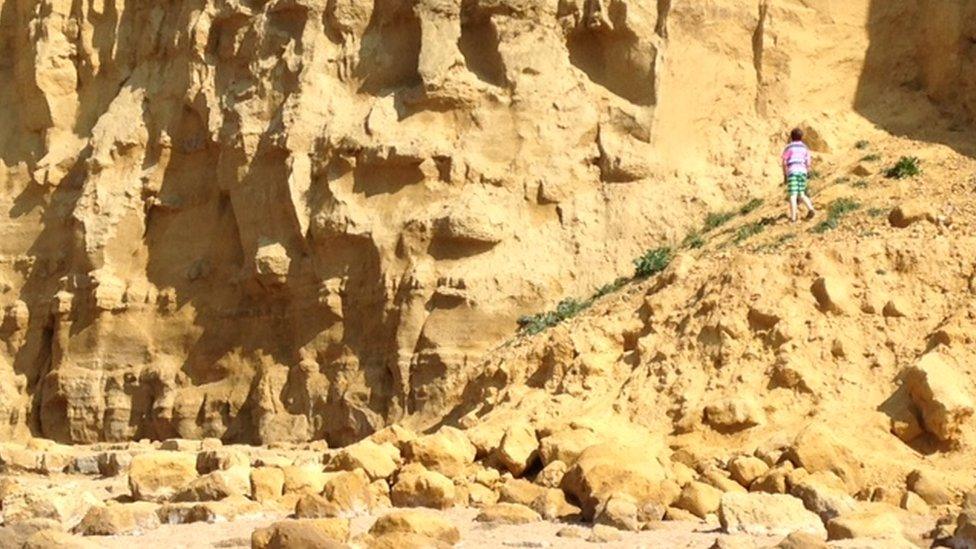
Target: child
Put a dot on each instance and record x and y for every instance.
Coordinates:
(796, 169)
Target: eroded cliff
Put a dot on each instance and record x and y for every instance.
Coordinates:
(293, 220)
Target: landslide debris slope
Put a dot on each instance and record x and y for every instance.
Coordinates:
(286, 221)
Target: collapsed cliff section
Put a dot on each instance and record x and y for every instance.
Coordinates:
(854, 329)
(291, 220)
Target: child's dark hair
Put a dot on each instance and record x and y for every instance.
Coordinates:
(796, 134)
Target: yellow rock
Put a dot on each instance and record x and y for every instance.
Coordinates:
(157, 476)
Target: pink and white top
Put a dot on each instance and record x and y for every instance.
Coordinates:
(796, 158)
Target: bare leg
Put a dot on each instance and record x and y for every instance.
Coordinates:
(808, 203)
(792, 207)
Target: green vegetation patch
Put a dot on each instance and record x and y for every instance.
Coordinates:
(747, 231)
(907, 166)
(751, 206)
(715, 220)
(607, 289)
(871, 158)
(862, 144)
(694, 240)
(537, 323)
(835, 212)
(652, 262)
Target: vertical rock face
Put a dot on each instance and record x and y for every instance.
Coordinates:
(286, 220)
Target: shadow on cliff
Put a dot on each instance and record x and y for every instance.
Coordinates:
(51, 260)
(910, 85)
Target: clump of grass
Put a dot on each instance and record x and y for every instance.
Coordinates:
(907, 166)
(751, 206)
(871, 158)
(841, 180)
(842, 206)
(539, 322)
(694, 240)
(747, 231)
(860, 184)
(813, 174)
(716, 219)
(609, 288)
(877, 212)
(862, 144)
(776, 244)
(652, 262)
(835, 211)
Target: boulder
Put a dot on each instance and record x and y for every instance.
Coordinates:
(418, 487)
(699, 499)
(518, 449)
(746, 469)
(929, 487)
(327, 533)
(552, 505)
(380, 492)
(567, 445)
(620, 512)
(774, 481)
(316, 506)
(897, 307)
(14, 535)
(480, 495)
(551, 475)
(912, 211)
(964, 533)
(673, 513)
(817, 449)
(571, 532)
(158, 476)
(521, 491)
(802, 540)
(57, 539)
(112, 464)
(608, 469)
(823, 493)
(224, 510)
(448, 451)
(64, 504)
(423, 523)
(119, 519)
(833, 295)
(865, 524)
(221, 460)
(719, 479)
(734, 414)
(55, 461)
(761, 514)
(601, 533)
(913, 503)
(400, 540)
(85, 464)
(941, 393)
(397, 435)
(307, 478)
(216, 486)
(378, 461)
(507, 513)
(267, 483)
(180, 445)
(349, 491)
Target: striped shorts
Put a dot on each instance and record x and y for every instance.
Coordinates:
(796, 183)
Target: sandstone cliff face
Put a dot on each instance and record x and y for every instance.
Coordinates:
(287, 220)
